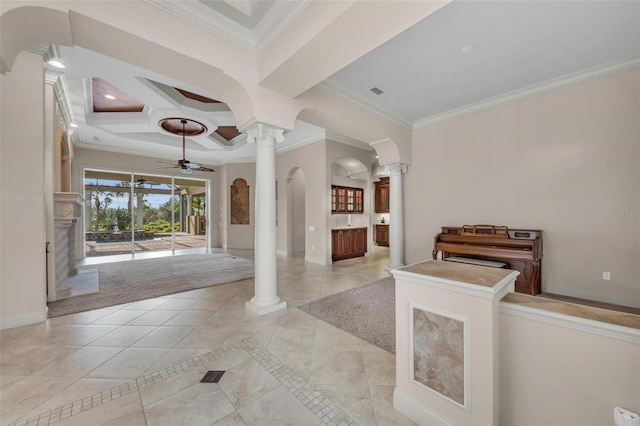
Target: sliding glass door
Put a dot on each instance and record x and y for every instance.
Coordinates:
(135, 213)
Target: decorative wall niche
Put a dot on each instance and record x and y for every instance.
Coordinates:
(240, 212)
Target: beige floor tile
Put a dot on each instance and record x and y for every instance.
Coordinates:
(330, 338)
(200, 404)
(233, 419)
(165, 388)
(79, 363)
(26, 394)
(124, 336)
(354, 400)
(177, 304)
(119, 317)
(229, 361)
(126, 410)
(298, 361)
(129, 364)
(155, 317)
(80, 389)
(176, 356)
(83, 317)
(86, 334)
(293, 339)
(164, 337)
(229, 318)
(337, 368)
(278, 408)
(380, 368)
(386, 415)
(195, 318)
(206, 337)
(368, 347)
(26, 360)
(148, 304)
(247, 382)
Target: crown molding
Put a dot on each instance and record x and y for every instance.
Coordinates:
(338, 88)
(547, 87)
(277, 19)
(208, 20)
(348, 141)
(217, 24)
(301, 143)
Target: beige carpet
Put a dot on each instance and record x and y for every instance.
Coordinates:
(134, 280)
(367, 312)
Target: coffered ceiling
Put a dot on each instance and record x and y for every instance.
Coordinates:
(466, 53)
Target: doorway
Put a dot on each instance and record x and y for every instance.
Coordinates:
(132, 213)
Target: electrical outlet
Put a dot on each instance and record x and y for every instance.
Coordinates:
(313, 247)
(606, 275)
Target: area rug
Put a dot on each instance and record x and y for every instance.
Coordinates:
(367, 312)
(133, 280)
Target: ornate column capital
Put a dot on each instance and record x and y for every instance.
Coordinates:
(263, 132)
(397, 168)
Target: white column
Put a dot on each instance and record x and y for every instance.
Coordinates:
(266, 299)
(139, 211)
(396, 216)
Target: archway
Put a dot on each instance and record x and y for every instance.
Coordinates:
(63, 163)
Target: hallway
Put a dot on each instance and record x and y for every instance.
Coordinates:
(141, 363)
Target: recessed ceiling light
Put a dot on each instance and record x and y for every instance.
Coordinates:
(56, 63)
(74, 125)
(110, 97)
(466, 48)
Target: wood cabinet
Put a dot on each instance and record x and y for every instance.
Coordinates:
(381, 202)
(348, 243)
(345, 199)
(382, 235)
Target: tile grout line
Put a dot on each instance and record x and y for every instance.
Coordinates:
(327, 411)
(84, 404)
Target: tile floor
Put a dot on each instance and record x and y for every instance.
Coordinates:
(141, 363)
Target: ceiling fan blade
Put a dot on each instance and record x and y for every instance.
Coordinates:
(204, 169)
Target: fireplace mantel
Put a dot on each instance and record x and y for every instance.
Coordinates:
(67, 205)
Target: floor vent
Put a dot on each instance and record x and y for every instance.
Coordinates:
(212, 377)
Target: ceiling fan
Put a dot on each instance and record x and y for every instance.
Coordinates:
(141, 181)
(187, 167)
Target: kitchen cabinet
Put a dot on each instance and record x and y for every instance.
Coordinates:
(345, 199)
(348, 242)
(381, 195)
(382, 235)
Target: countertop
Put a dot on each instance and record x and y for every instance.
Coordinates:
(383, 224)
(471, 274)
(339, 228)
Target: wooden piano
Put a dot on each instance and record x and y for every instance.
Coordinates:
(516, 249)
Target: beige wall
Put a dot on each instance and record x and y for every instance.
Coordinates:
(309, 158)
(22, 210)
(554, 375)
(564, 163)
(240, 236)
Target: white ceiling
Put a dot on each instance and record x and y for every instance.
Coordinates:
(465, 52)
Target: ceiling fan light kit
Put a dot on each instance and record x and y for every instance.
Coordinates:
(186, 167)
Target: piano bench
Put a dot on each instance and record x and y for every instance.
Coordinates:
(480, 262)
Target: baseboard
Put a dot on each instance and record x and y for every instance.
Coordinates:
(282, 253)
(315, 260)
(26, 319)
(416, 412)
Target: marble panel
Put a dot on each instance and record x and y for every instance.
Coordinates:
(438, 353)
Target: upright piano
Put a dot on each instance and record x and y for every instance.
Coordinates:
(517, 249)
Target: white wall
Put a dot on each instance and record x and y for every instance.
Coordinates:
(22, 209)
(564, 163)
(554, 375)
